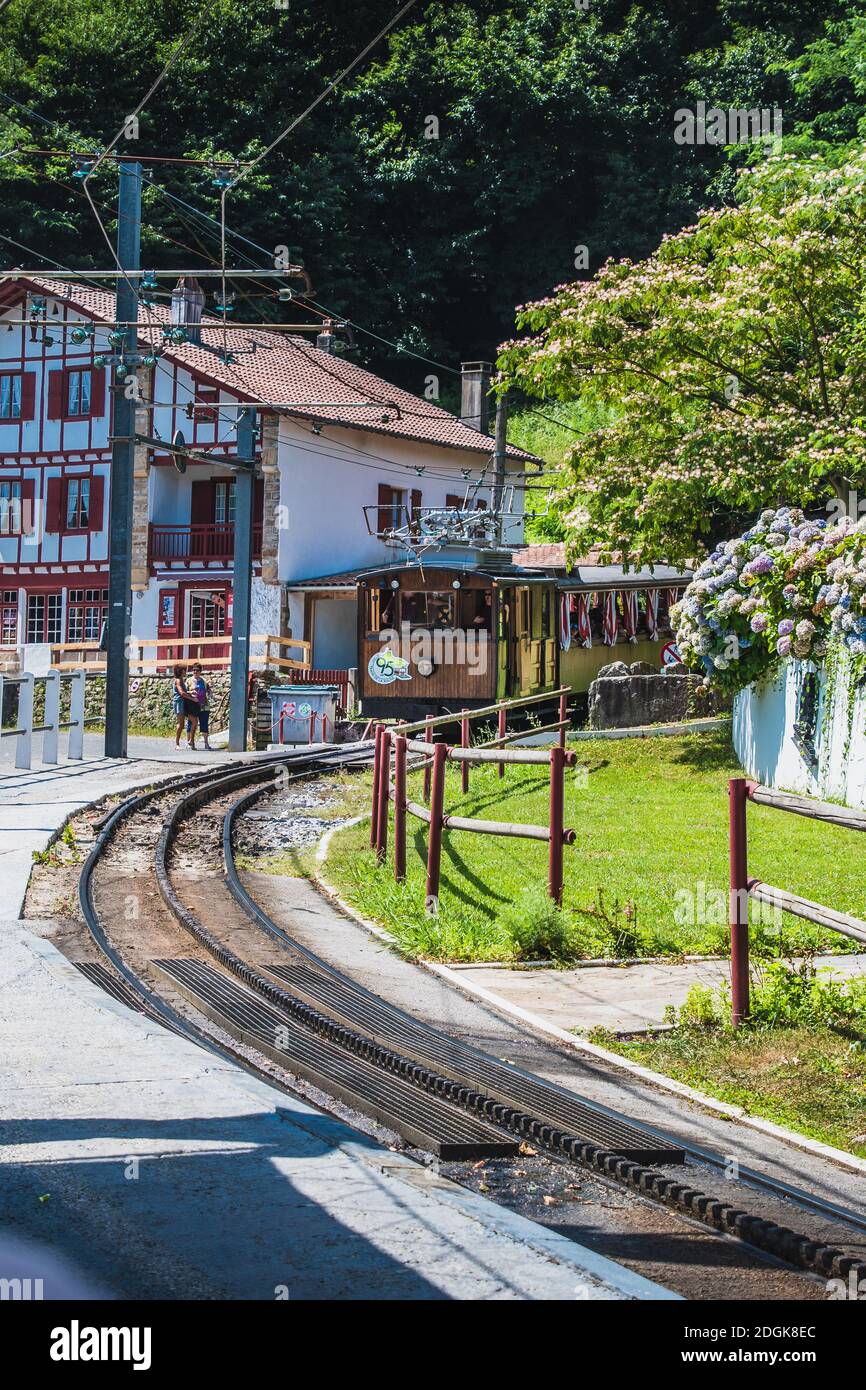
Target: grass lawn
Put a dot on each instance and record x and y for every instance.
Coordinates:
(647, 876)
(809, 1078)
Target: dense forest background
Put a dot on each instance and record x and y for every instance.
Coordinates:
(555, 130)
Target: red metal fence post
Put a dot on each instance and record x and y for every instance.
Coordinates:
(400, 807)
(434, 838)
(384, 796)
(557, 826)
(739, 900)
(428, 738)
(501, 727)
(374, 813)
(563, 715)
(464, 743)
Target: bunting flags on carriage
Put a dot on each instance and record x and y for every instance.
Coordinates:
(629, 614)
(584, 629)
(652, 613)
(565, 607)
(609, 619)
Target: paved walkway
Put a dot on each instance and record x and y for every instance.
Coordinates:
(134, 1164)
(621, 998)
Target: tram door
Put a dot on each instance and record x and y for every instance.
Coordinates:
(506, 646)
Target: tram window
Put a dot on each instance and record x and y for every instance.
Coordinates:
(545, 613)
(596, 621)
(381, 610)
(523, 611)
(475, 609)
(433, 608)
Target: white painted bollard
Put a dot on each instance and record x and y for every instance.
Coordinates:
(24, 745)
(78, 683)
(51, 735)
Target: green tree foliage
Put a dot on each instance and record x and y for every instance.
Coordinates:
(555, 131)
(732, 361)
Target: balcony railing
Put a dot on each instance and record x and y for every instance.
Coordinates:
(192, 545)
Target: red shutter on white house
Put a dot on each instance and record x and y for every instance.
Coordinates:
(416, 503)
(97, 391)
(28, 395)
(54, 505)
(97, 499)
(55, 395)
(383, 520)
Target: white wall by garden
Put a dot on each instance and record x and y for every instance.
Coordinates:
(764, 739)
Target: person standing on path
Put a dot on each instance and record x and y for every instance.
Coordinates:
(201, 691)
(185, 707)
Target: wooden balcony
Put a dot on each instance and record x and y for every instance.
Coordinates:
(197, 545)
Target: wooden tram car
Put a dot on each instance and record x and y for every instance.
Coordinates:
(460, 630)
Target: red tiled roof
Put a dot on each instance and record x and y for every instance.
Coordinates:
(551, 555)
(288, 371)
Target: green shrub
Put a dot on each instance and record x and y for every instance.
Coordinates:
(538, 928)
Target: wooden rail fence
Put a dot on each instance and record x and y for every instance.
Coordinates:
(740, 792)
(389, 785)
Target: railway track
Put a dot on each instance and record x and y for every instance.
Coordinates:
(201, 956)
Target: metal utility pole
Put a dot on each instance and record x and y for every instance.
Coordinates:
(122, 454)
(242, 575)
(499, 457)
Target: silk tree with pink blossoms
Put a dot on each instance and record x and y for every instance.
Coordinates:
(729, 367)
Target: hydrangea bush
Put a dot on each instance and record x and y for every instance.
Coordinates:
(785, 589)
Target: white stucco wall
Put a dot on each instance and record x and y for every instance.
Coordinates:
(763, 736)
(326, 481)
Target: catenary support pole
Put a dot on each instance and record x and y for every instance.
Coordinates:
(739, 899)
(242, 577)
(122, 455)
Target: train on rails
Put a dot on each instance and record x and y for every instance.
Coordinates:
(464, 626)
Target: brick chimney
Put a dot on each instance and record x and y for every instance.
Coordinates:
(187, 303)
(475, 395)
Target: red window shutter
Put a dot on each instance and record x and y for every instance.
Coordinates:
(54, 502)
(56, 403)
(452, 500)
(384, 515)
(97, 391)
(202, 503)
(28, 506)
(416, 503)
(259, 502)
(97, 497)
(28, 395)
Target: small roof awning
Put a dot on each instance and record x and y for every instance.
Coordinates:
(615, 577)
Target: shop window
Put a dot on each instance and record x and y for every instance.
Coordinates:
(45, 618)
(86, 612)
(9, 618)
